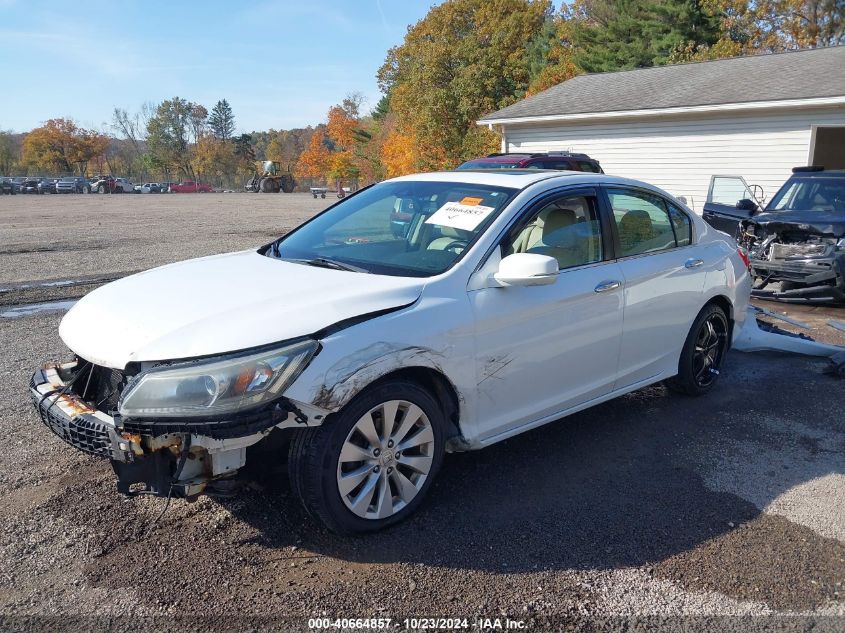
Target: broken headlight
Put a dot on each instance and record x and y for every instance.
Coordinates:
(216, 387)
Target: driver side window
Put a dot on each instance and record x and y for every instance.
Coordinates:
(566, 228)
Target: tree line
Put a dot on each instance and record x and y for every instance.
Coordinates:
(464, 59)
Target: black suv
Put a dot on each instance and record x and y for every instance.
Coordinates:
(547, 160)
(798, 239)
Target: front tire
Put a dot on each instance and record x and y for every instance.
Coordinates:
(370, 465)
(703, 353)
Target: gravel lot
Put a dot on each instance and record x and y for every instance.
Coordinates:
(653, 509)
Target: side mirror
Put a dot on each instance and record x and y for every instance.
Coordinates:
(527, 269)
(746, 205)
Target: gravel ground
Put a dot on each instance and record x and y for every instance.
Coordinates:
(650, 511)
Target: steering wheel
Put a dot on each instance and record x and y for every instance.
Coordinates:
(462, 244)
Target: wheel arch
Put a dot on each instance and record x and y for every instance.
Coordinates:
(723, 302)
(429, 378)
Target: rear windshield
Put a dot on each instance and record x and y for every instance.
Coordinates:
(487, 164)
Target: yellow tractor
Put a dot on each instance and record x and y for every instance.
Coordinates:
(269, 178)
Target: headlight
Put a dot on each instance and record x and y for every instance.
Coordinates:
(217, 387)
(840, 245)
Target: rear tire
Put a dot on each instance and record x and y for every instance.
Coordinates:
(703, 353)
(387, 484)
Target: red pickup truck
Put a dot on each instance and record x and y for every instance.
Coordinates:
(189, 186)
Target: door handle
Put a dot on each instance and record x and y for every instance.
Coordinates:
(693, 263)
(606, 286)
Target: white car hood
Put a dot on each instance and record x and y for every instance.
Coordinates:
(220, 304)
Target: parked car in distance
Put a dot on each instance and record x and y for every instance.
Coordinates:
(7, 187)
(31, 185)
(517, 297)
(47, 185)
(797, 240)
(73, 184)
(103, 184)
(17, 183)
(190, 186)
(148, 187)
(107, 184)
(165, 186)
(546, 160)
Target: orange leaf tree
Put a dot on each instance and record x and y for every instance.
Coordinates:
(314, 161)
(62, 146)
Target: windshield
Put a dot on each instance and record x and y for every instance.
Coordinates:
(810, 194)
(486, 164)
(405, 228)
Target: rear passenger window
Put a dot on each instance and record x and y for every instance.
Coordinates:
(557, 164)
(584, 165)
(641, 221)
(681, 224)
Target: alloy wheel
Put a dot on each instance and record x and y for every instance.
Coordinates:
(709, 349)
(385, 459)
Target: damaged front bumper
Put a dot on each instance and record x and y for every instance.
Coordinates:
(807, 262)
(160, 457)
(822, 277)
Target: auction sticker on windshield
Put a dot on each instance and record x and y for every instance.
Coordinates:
(460, 216)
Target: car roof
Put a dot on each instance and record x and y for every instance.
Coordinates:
(513, 178)
(521, 178)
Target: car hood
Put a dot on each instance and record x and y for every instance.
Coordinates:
(220, 304)
(826, 223)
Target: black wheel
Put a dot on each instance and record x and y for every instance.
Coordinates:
(703, 353)
(370, 465)
(322, 195)
(101, 189)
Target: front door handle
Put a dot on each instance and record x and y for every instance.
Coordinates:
(693, 263)
(606, 286)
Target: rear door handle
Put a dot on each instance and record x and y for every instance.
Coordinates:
(606, 286)
(693, 263)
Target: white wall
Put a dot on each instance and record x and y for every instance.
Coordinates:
(679, 154)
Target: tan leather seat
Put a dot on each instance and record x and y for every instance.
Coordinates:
(557, 242)
(555, 220)
(529, 237)
(452, 239)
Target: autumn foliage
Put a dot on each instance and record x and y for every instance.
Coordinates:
(61, 146)
(314, 161)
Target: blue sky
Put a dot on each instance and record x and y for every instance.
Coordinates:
(279, 64)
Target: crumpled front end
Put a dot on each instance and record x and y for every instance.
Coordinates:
(807, 263)
(166, 457)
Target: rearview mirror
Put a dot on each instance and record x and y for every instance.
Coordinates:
(746, 205)
(527, 269)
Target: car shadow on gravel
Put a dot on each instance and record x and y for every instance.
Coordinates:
(614, 486)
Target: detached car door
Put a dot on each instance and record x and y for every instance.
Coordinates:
(728, 203)
(541, 350)
(664, 273)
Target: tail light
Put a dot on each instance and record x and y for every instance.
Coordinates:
(744, 257)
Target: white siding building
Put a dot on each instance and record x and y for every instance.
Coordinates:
(676, 126)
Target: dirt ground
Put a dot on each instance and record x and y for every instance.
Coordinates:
(650, 511)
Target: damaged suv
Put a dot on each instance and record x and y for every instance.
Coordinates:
(798, 239)
(512, 299)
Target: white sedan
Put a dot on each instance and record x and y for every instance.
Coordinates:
(148, 187)
(506, 300)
